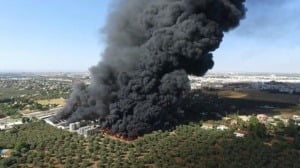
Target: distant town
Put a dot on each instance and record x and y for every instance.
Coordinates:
(281, 83)
(235, 105)
(34, 95)
(40, 95)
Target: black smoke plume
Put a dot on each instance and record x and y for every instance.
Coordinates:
(153, 45)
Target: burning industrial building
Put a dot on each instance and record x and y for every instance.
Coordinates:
(152, 47)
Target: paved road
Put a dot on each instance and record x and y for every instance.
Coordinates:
(4, 120)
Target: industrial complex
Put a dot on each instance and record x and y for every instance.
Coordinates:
(85, 128)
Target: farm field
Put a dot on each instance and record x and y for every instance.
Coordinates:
(58, 101)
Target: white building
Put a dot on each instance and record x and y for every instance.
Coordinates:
(296, 118)
(5, 153)
(10, 124)
(74, 126)
(88, 130)
(222, 127)
(239, 134)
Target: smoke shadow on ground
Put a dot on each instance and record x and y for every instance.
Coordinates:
(200, 106)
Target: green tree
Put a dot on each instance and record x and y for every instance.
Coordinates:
(256, 129)
(20, 145)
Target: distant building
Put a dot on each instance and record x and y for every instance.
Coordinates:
(278, 117)
(207, 126)
(296, 118)
(78, 125)
(10, 124)
(262, 118)
(244, 118)
(88, 131)
(60, 125)
(5, 153)
(239, 134)
(48, 121)
(74, 126)
(222, 127)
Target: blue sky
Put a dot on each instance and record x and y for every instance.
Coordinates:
(266, 41)
(64, 35)
(51, 35)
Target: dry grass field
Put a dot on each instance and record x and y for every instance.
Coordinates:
(293, 101)
(59, 101)
(261, 96)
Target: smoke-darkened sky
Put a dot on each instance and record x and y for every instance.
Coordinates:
(64, 36)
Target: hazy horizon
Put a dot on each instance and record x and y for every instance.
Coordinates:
(209, 72)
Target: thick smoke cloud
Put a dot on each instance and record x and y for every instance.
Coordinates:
(152, 47)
